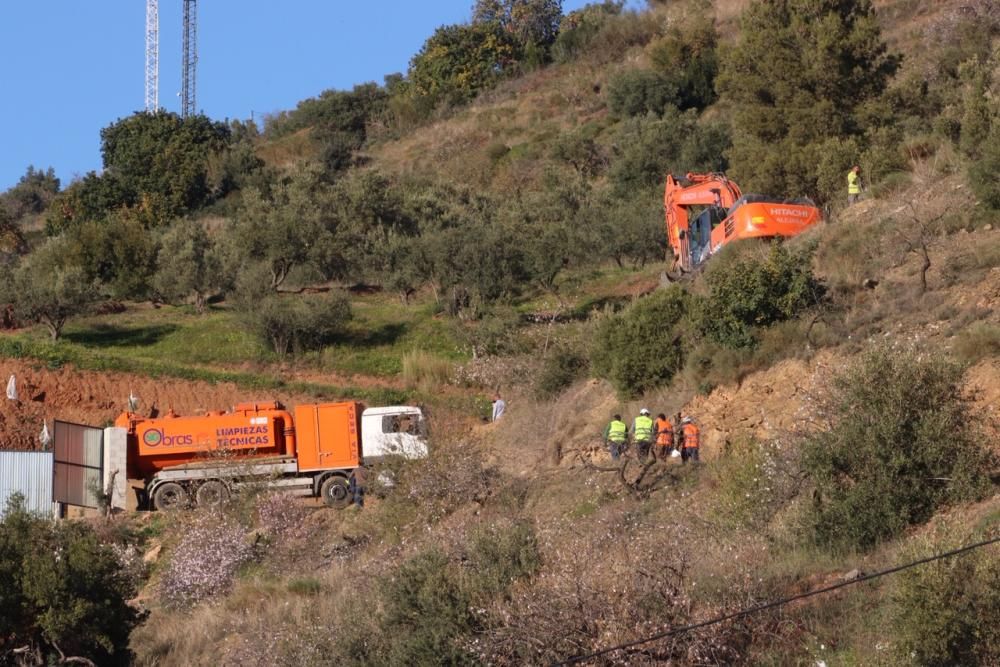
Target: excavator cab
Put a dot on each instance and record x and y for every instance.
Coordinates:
(700, 232)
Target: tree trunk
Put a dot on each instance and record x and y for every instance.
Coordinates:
(925, 267)
(54, 326)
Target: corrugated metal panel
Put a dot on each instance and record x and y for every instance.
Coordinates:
(78, 451)
(29, 473)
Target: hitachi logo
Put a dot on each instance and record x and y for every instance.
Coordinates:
(794, 212)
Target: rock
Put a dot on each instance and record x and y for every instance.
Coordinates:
(152, 555)
(334, 546)
(852, 575)
(987, 228)
(869, 283)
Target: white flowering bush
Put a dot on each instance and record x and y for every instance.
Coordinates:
(492, 372)
(453, 475)
(753, 479)
(601, 589)
(280, 515)
(210, 550)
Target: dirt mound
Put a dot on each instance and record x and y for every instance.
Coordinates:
(767, 405)
(88, 397)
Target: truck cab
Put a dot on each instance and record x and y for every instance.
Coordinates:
(393, 431)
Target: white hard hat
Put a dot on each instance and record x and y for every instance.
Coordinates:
(644, 411)
(686, 420)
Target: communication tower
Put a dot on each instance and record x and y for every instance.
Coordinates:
(152, 56)
(190, 61)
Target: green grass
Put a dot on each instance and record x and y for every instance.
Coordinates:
(583, 290)
(60, 353)
(215, 346)
(383, 332)
(217, 338)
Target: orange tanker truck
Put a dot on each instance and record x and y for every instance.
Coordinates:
(181, 461)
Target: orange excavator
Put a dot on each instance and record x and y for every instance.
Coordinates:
(706, 211)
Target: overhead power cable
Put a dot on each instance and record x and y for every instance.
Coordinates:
(776, 603)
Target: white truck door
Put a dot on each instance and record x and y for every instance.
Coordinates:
(393, 431)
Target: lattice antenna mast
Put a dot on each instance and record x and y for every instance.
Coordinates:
(190, 63)
(152, 56)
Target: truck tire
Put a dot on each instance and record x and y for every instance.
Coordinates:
(169, 496)
(211, 494)
(335, 492)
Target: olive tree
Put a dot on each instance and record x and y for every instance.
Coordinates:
(188, 265)
(49, 289)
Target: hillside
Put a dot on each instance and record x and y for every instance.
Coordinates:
(467, 230)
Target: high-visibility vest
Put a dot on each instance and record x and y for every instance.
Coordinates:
(616, 431)
(853, 186)
(692, 436)
(664, 432)
(643, 429)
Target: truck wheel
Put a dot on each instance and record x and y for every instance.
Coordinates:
(211, 494)
(169, 496)
(335, 492)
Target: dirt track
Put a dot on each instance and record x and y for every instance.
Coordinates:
(94, 398)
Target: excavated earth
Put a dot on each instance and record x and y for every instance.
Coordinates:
(93, 398)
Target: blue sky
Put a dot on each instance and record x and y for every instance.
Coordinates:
(69, 68)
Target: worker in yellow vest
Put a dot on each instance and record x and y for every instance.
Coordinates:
(615, 436)
(642, 434)
(691, 440)
(854, 185)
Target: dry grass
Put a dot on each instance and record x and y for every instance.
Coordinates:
(979, 341)
(426, 371)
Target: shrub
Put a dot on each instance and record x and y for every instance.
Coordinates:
(978, 341)
(211, 549)
(560, 369)
(945, 612)
(745, 291)
(62, 591)
(426, 613)
(983, 171)
(280, 517)
(293, 323)
(753, 482)
(639, 349)
(636, 92)
(599, 589)
(648, 147)
(602, 31)
(899, 442)
(499, 554)
(496, 333)
(452, 475)
(686, 57)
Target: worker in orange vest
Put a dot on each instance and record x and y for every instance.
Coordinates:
(692, 440)
(664, 433)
